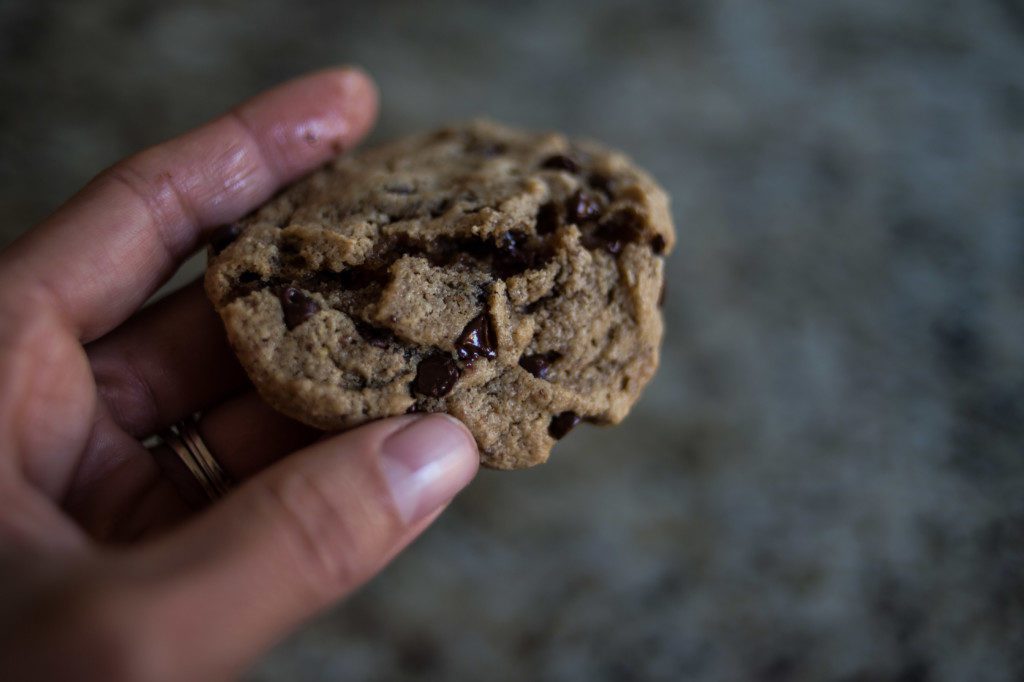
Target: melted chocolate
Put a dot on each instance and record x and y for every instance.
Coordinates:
(477, 340)
(436, 375)
(539, 364)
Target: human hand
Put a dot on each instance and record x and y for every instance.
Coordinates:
(106, 574)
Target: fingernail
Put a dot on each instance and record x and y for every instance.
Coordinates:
(426, 463)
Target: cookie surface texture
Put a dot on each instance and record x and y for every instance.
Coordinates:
(510, 279)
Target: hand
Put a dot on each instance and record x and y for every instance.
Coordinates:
(105, 574)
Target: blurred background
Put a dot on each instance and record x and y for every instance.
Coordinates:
(826, 479)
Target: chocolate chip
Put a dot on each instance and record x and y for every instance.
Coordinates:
(476, 340)
(511, 257)
(658, 244)
(222, 237)
(440, 208)
(436, 375)
(581, 207)
(563, 423)
(416, 408)
(399, 189)
(661, 296)
(560, 162)
(621, 228)
(539, 364)
(548, 219)
(297, 307)
(248, 277)
(602, 183)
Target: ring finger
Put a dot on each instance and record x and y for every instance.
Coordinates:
(243, 434)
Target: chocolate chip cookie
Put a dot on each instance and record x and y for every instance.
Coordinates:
(510, 279)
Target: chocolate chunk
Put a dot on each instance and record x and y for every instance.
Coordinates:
(621, 228)
(375, 336)
(548, 219)
(476, 340)
(581, 207)
(510, 254)
(560, 162)
(436, 375)
(539, 364)
(399, 189)
(658, 244)
(416, 408)
(661, 296)
(222, 237)
(361, 276)
(290, 254)
(523, 255)
(563, 423)
(246, 283)
(440, 208)
(297, 307)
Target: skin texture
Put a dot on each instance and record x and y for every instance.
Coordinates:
(107, 573)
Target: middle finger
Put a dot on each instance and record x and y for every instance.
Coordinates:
(169, 360)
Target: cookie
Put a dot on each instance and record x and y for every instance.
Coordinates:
(507, 278)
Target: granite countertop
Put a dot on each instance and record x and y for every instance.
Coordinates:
(826, 479)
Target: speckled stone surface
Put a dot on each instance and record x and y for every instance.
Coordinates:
(825, 481)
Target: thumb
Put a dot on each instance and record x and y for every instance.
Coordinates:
(302, 534)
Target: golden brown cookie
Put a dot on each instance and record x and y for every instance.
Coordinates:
(510, 279)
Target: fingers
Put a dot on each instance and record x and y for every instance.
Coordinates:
(104, 252)
(165, 363)
(246, 435)
(302, 534)
(133, 498)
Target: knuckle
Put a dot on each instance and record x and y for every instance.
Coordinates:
(257, 152)
(320, 539)
(165, 204)
(156, 193)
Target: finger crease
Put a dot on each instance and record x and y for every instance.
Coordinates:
(255, 142)
(166, 206)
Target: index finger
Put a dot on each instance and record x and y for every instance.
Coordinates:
(103, 253)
